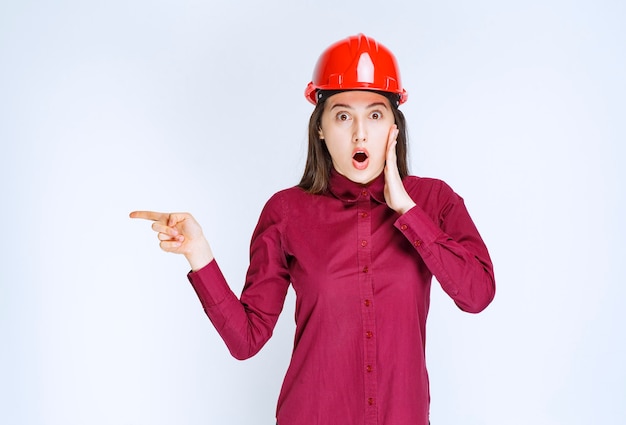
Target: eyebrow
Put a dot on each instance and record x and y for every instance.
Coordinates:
(371, 105)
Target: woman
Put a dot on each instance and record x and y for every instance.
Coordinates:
(359, 240)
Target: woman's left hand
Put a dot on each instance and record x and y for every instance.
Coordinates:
(396, 195)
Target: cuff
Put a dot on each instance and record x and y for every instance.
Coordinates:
(210, 284)
(417, 227)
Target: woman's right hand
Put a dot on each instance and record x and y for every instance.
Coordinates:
(179, 233)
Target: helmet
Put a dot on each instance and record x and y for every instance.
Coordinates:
(356, 63)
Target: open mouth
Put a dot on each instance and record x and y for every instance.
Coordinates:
(359, 156)
(360, 159)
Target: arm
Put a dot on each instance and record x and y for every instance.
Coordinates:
(245, 325)
(453, 251)
(451, 248)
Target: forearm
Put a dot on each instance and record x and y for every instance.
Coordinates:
(244, 329)
(462, 266)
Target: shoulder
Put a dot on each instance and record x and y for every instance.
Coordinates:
(284, 200)
(288, 196)
(431, 193)
(426, 184)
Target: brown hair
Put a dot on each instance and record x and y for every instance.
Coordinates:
(319, 163)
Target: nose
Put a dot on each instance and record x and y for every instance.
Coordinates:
(360, 132)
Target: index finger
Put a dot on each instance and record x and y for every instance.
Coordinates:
(149, 215)
(393, 136)
(392, 140)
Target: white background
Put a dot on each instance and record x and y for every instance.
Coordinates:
(111, 106)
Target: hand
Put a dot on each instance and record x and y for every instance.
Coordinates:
(396, 195)
(179, 233)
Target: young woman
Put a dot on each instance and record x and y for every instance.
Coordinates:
(359, 240)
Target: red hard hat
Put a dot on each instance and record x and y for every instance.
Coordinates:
(356, 63)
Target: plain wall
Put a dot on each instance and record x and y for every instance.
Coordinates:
(108, 107)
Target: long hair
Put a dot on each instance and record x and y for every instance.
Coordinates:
(319, 163)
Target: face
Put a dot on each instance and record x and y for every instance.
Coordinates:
(355, 126)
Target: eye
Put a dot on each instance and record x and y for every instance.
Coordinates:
(376, 115)
(342, 116)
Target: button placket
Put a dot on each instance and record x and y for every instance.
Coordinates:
(364, 255)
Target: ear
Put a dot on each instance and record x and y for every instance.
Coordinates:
(320, 133)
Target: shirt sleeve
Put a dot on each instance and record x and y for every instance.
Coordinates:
(449, 243)
(246, 324)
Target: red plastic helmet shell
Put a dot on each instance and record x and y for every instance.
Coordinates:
(356, 63)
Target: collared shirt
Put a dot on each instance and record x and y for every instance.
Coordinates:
(362, 276)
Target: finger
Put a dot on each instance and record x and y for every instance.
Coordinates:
(175, 218)
(168, 237)
(170, 246)
(393, 134)
(391, 150)
(392, 139)
(149, 215)
(164, 237)
(159, 226)
(392, 159)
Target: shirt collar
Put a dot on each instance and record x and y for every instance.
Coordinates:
(348, 191)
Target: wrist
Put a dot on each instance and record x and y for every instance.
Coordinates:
(199, 256)
(405, 207)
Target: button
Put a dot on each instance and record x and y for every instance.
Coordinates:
(369, 368)
(363, 244)
(404, 227)
(367, 303)
(364, 192)
(370, 401)
(417, 243)
(369, 334)
(365, 269)
(364, 215)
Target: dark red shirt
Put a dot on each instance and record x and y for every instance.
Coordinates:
(362, 276)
